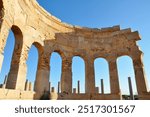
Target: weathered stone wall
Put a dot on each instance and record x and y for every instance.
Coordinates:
(32, 25)
(16, 94)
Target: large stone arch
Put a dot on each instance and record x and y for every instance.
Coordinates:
(42, 74)
(59, 51)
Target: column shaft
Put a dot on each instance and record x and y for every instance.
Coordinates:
(102, 86)
(130, 89)
(66, 77)
(42, 74)
(90, 78)
(58, 90)
(17, 75)
(140, 77)
(78, 86)
(114, 81)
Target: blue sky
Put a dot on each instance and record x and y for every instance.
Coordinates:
(132, 14)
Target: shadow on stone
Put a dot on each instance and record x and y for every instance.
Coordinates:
(45, 96)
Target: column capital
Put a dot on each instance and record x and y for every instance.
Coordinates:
(111, 58)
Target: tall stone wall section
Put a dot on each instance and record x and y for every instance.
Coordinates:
(32, 25)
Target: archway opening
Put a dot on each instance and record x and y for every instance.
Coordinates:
(55, 70)
(12, 53)
(102, 72)
(8, 52)
(125, 70)
(78, 73)
(32, 63)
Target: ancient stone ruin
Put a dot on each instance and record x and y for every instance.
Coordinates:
(32, 25)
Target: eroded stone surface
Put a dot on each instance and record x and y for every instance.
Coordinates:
(32, 25)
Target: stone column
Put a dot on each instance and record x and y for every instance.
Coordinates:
(17, 75)
(58, 90)
(66, 76)
(78, 86)
(130, 89)
(4, 31)
(5, 80)
(42, 74)
(140, 76)
(49, 86)
(30, 86)
(114, 81)
(26, 85)
(53, 90)
(89, 76)
(102, 86)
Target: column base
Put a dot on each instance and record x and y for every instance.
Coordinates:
(17, 78)
(42, 81)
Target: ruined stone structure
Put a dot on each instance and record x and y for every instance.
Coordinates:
(32, 25)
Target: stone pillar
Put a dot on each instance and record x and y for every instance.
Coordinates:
(17, 75)
(4, 31)
(42, 74)
(5, 80)
(66, 77)
(78, 86)
(114, 81)
(102, 86)
(130, 89)
(30, 86)
(140, 76)
(89, 76)
(53, 89)
(49, 86)
(58, 91)
(26, 85)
